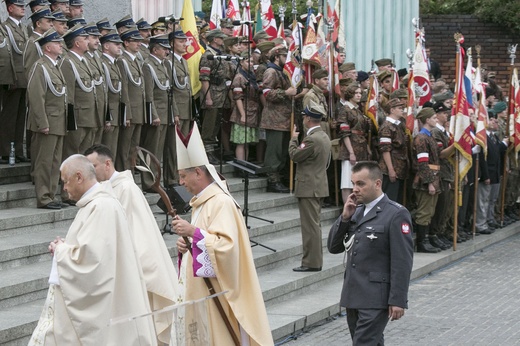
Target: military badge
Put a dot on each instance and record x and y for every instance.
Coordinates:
(405, 228)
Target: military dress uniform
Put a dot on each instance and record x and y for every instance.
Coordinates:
(157, 83)
(12, 116)
(378, 268)
(311, 157)
(133, 92)
(7, 77)
(393, 139)
(113, 116)
(47, 102)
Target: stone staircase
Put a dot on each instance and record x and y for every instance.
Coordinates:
(294, 300)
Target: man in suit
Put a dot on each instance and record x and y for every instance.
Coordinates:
(46, 95)
(111, 45)
(157, 74)
(81, 95)
(433, 66)
(312, 157)
(376, 232)
(133, 94)
(12, 116)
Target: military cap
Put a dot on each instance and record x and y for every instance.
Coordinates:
(131, 34)
(499, 107)
(49, 36)
(143, 24)
(125, 21)
(438, 86)
(321, 73)
(91, 29)
(161, 40)
(348, 66)
(443, 96)
(15, 2)
(346, 82)
(179, 34)
(439, 107)
(226, 23)
(381, 76)
(396, 102)
(230, 41)
(261, 35)
(159, 25)
(492, 114)
(341, 50)
(425, 113)
(399, 94)
(278, 41)
(59, 1)
(75, 31)
(216, 33)
(74, 21)
(245, 54)
(43, 12)
(76, 3)
(38, 3)
(383, 62)
(104, 24)
(112, 36)
(314, 110)
(492, 74)
(278, 50)
(59, 16)
(362, 76)
(265, 46)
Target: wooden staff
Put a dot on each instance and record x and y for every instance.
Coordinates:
(512, 55)
(147, 158)
(476, 165)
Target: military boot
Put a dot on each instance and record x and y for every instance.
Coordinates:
(423, 243)
(436, 242)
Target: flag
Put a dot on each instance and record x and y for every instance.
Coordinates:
(469, 77)
(460, 122)
(333, 18)
(310, 48)
(258, 19)
(281, 31)
(217, 13)
(371, 105)
(514, 98)
(395, 79)
(233, 13)
(246, 15)
(292, 67)
(342, 42)
(268, 21)
(421, 77)
(482, 113)
(412, 127)
(194, 51)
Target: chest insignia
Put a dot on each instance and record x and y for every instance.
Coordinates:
(372, 237)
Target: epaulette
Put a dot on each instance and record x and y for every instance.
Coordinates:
(396, 204)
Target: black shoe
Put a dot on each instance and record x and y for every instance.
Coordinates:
(485, 231)
(445, 240)
(22, 159)
(306, 269)
(426, 247)
(277, 187)
(69, 202)
(436, 242)
(52, 205)
(213, 159)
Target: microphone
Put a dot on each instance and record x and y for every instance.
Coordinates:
(241, 22)
(224, 57)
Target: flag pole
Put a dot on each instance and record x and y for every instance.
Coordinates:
(293, 105)
(458, 63)
(512, 55)
(477, 159)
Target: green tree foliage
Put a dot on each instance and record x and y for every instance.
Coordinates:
(503, 12)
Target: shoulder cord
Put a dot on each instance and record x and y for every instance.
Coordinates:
(129, 74)
(161, 86)
(79, 81)
(111, 87)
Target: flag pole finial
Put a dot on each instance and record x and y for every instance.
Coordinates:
(477, 49)
(511, 49)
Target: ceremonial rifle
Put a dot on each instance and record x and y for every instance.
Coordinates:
(147, 158)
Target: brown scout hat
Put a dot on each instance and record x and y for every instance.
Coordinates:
(230, 41)
(265, 46)
(383, 75)
(383, 62)
(321, 73)
(425, 113)
(348, 66)
(399, 94)
(394, 103)
(278, 50)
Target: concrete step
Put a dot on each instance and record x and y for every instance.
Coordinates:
(15, 174)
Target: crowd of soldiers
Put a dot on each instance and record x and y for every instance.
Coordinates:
(86, 83)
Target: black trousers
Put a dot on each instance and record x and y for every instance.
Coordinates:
(366, 326)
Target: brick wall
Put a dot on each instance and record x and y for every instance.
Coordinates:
(492, 38)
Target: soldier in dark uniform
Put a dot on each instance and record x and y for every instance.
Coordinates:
(12, 115)
(111, 46)
(133, 95)
(426, 182)
(444, 206)
(377, 235)
(214, 76)
(393, 146)
(312, 157)
(47, 102)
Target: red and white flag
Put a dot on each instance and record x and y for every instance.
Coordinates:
(268, 20)
(217, 13)
(421, 76)
(482, 113)
(460, 124)
(412, 127)
(514, 111)
(372, 102)
(246, 15)
(233, 13)
(292, 67)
